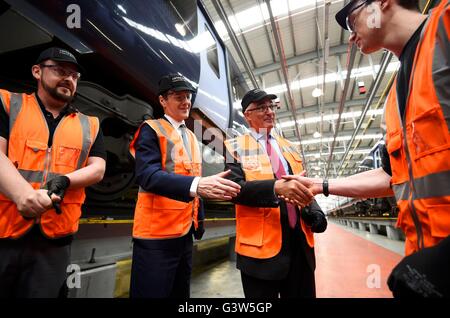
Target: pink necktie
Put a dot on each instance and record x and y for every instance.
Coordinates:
(278, 168)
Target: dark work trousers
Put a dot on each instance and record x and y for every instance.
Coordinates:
(298, 283)
(33, 266)
(161, 268)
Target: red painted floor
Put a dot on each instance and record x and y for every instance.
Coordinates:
(349, 266)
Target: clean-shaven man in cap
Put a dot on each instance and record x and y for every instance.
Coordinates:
(416, 165)
(274, 240)
(168, 171)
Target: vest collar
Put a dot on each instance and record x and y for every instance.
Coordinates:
(67, 110)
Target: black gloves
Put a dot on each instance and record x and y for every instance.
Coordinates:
(198, 233)
(57, 186)
(315, 219)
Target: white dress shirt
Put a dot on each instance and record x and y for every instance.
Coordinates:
(177, 124)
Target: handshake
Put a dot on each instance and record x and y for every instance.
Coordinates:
(300, 191)
(297, 189)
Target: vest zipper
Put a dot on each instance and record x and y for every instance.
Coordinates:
(412, 209)
(48, 160)
(45, 175)
(412, 195)
(412, 191)
(46, 166)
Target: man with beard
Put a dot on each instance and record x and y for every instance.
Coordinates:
(53, 147)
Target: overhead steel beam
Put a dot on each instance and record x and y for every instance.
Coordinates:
(243, 38)
(351, 61)
(272, 49)
(278, 41)
(325, 54)
(343, 132)
(299, 59)
(327, 106)
(222, 15)
(387, 56)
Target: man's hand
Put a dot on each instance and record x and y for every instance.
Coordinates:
(198, 233)
(33, 203)
(293, 192)
(57, 186)
(217, 187)
(314, 186)
(310, 183)
(316, 220)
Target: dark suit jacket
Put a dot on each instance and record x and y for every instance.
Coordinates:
(261, 194)
(150, 175)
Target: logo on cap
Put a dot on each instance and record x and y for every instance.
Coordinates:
(178, 79)
(64, 52)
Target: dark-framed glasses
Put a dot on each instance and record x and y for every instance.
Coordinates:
(62, 72)
(264, 108)
(351, 23)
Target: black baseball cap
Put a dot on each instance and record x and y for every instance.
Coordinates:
(174, 82)
(255, 95)
(342, 14)
(59, 55)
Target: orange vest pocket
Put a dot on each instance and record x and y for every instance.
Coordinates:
(439, 217)
(34, 155)
(394, 147)
(251, 230)
(164, 212)
(67, 156)
(428, 134)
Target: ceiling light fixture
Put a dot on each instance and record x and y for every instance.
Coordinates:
(317, 92)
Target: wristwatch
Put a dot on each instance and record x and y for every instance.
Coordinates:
(325, 188)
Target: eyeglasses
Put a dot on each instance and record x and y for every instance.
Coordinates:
(264, 108)
(351, 24)
(180, 97)
(62, 72)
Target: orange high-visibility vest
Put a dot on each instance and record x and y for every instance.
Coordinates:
(157, 216)
(419, 143)
(29, 152)
(258, 229)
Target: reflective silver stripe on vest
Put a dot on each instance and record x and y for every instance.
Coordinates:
(430, 186)
(37, 176)
(141, 190)
(250, 152)
(288, 149)
(3, 103)
(86, 132)
(52, 175)
(441, 70)
(14, 109)
(401, 191)
(32, 176)
(170, 164)
(433, 185)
